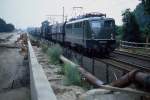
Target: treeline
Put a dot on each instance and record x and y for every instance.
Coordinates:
(4, 27)
(136, 24)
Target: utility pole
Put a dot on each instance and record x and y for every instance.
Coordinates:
(52, 18)
(63, 14)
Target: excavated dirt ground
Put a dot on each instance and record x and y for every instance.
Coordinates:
(56, 80)
(14, 71)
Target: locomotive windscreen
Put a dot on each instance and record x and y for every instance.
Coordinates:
(109, 23)
(102, 29)
(95, 26)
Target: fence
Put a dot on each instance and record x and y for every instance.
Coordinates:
(135, 45)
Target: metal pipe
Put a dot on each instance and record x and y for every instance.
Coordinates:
(140, 79)
(125, 80)
(92, 79)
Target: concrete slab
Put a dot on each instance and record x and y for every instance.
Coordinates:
(16, 94)
(14, 73)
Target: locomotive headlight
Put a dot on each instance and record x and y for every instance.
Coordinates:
(112, 36)
(93, 35)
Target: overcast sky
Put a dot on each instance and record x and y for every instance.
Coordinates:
(27, 13)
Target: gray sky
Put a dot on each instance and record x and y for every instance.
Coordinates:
(24, 13)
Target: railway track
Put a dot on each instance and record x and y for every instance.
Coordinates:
(145, 68)
(116, 64)
(134, 55)
(127, 61)
(140, 61)
(122, 65)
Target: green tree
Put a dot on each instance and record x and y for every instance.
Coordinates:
(146, 4)
(142, 18)
(146, 32)
(131, 31)
(9, 27)
(4, 27)
(119, 32)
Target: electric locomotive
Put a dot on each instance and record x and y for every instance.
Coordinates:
(94, 33)
(91, 33)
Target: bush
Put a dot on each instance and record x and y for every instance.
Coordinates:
(4, 27)
(44, 48)
(54, 53)
(72, 74)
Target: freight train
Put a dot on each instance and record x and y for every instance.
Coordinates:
(91, 33)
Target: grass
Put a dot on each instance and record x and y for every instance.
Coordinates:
(54, 53)
(44, 48)
(72, 75)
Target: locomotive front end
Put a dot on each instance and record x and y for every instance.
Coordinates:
(102, 36)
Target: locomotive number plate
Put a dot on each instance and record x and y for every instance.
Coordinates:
(102, 41)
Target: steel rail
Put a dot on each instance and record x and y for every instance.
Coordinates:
(144, 68)
(134, 55)
(116, 64)
(121, 65)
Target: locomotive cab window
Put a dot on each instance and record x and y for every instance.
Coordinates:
(109, 23)
(95, 26)
(69, 26)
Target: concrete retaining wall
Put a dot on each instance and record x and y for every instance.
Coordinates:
(40, 87)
